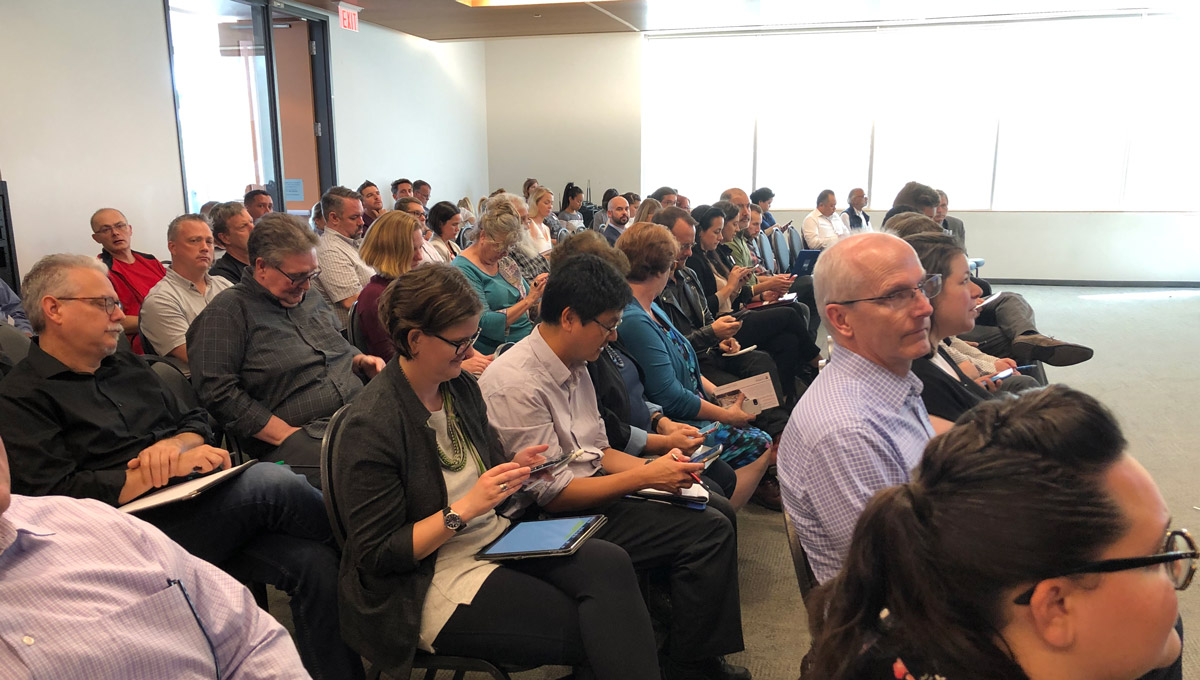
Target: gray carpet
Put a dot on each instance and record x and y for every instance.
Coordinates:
(1140, 370)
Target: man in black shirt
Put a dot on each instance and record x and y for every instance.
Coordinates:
(82, 419)
(231, 225)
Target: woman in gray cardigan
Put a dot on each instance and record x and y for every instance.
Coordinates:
(419, 475)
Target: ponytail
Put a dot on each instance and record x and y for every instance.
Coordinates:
(571, 191)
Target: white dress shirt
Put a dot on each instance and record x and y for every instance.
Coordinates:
(821, 232)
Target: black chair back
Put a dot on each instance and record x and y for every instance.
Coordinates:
(13, 343)
(354, 331)
(329, 444)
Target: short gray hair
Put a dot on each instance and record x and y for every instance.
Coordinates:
(173, 227)
(220, 217)
(500, 220)
(49, 277)
(278, 235)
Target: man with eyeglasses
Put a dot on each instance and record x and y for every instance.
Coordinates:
(412, 206)
(267, 358)
(133, 274)
(82, 418)
(861, 426)
(422, 191)
(343, 273)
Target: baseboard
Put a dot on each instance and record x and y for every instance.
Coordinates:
(1097, 284)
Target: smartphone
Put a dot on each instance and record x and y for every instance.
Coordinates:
(1001, 375)
(707, 454)
(712, 427)
(788, 224)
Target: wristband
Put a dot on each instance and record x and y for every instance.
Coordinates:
(654, 421)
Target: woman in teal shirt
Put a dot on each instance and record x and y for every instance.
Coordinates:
(507, 298)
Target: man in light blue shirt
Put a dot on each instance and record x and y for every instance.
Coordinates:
(861, 426)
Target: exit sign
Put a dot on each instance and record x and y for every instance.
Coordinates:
(348, 15)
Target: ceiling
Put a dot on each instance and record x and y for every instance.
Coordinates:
(451, 20)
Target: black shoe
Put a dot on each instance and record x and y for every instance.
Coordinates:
(712, 668)
(1046, 349)
(768, 494)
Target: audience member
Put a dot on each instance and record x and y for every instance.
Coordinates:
(401, 188)
(507, 297)
(618, 217)
(682, 201)
(778, 284)
(1027, 545)
(922, 198)
(392, 247)
(412, 206)
(531, 261)
(598, 220)
(208, 206)
(666, 196)
(71, 569)
(673, 377)
(860, 426)
(422, 192)
(820, 228)
(756, 241)
(342, 273)
(185, 291)
(539, 392)
(266, 357)
(258, 203)
(763, 197)
(11, 310)
(444, 222)
(572, 201)
(419, 506)
(316, 219)
(372, 203)
(855, 216)
(898, 210)
(646, 211)
(635, 201)
(953, 226)
(231, 227)
(529, 185)
(85, 420)
(541, 237)
(132, 274)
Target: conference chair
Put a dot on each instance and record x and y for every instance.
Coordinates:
(795, 241)
(432, 663)
(783, 250)
(804, 573)
(354, 331)
(13, 343)
(766, 252)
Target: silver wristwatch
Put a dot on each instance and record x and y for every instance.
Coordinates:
(452, 519)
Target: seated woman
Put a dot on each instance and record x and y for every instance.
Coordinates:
(572, 201)
(541, 208)
(391, 248)
(646, 211)
(1028, 546)
(444, 221)
(948, 391)
(418, 479)
(672, 374)
(507, 297)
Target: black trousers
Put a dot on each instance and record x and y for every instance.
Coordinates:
(803, 288)
(698, 552)
(782, 332)
(584, 609)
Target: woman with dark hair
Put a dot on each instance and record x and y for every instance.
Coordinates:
(1028, 546)
(572, 201)
(418, 478)
(672, 372)
(444, 221)
(762, 197)
(948, 391)
(634, 200)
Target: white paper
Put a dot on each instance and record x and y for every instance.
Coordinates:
(695, 492)
(185, 490)
(760, 394)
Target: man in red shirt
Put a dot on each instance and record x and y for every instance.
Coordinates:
(133, 274)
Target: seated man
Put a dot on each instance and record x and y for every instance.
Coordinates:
(342, 272)
(133, 274)
(71, 570)
(231, 226)
(539, 392)
(372, 200)
(266, 358)
(861, 426)
(84, 420)
(821, 228)
(178, 299)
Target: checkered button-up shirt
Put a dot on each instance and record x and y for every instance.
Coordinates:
(343, 273)
(858, 429)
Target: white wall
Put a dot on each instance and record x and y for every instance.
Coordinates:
(88, 121)
(1143, 247)
(407, 107)
(565, 109)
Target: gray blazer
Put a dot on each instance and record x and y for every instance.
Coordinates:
(956, 229)
(389, 477)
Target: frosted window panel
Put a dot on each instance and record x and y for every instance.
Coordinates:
(1065, 116)
(693, 138)
(937, 122)
(814, 124)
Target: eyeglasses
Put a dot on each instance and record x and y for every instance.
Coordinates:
(106, 303)
(460, 346)
(300, 278)
(609, 330)
(930, 287)
(1179, 554)
(108, 229)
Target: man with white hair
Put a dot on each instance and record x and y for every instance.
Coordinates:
(861, 426)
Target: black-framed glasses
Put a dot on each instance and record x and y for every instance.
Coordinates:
(103, 302)
(300, 278)
(930, 286)
(460, 346)
(609, 330)
(1179, 554)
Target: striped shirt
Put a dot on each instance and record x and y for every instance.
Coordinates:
(858, 429)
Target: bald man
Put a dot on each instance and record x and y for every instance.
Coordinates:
(861, 426)
(133, 274)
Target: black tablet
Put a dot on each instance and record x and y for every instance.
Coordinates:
(542, 538)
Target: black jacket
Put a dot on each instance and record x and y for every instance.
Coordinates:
(684, 302)
(699, 263)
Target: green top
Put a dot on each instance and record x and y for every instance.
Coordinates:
(497, 293)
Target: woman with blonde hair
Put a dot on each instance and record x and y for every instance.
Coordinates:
(541, 208)
(647, 210)
(392, 247)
